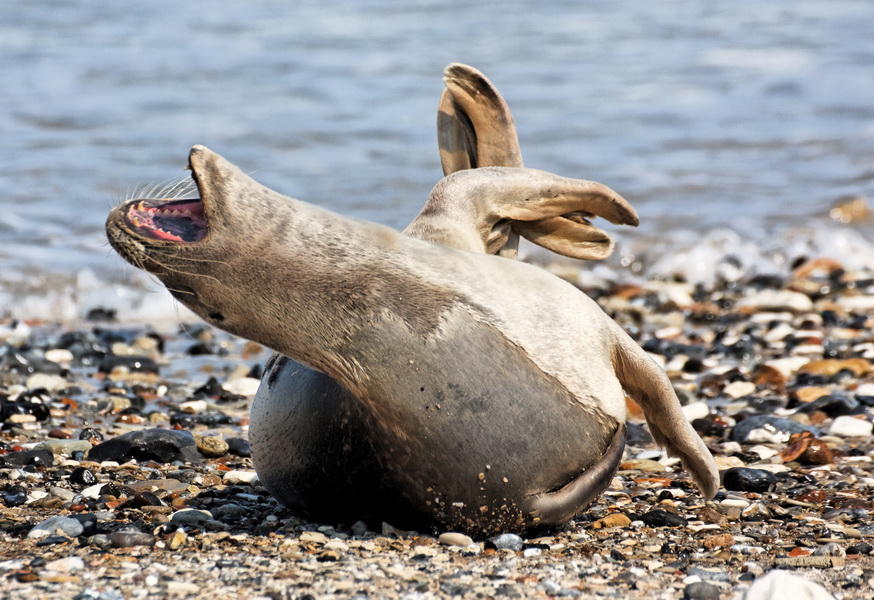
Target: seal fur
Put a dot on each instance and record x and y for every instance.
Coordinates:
(479, 398)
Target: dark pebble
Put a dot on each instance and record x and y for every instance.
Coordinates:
(159, 445)
(28, 362)
(505, 541)
(90, 434)
(742, 430)
(860, 548)
(133, 364)
(15, 495)
(82, 476)
(210, 418)
(744, 479)
(768, 404)
(23, 407)
(100, 314)
(617, 555)
(637, 435)
(23, 458)
(239, 447)
(146, 499)
(207, 348)
(833, 405)
(52, 540)
(661, 518)
(88, 521)
(709, 426)
(211, 389)
(128, 539)
(701, 590)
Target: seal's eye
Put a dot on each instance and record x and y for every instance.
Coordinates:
(174, 221)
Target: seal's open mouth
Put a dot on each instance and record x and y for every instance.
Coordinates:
(170, 220)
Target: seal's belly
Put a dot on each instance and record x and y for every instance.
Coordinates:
(462, 438)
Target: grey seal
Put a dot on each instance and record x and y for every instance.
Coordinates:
(443, 388)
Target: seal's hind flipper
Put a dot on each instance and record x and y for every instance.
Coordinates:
(650, 387)
(474, 125)
(558, 507)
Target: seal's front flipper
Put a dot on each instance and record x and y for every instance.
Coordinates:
(650, 387)
(570, 235)
(482, 209)
(558, 507)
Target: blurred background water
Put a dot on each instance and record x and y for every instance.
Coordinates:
(751, 116)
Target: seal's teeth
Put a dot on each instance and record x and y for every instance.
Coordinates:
(141, 205)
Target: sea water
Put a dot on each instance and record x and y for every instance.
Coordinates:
(731, 127)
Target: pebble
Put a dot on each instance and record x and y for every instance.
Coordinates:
(242, 386)
(44, 381)
(644, 465)
(612, 520)
(60, 355)
(777, 300)
(768, 429)
(23, 458)
(240, 477)
(506, 541)
(65, 525)
(15, 495)
(782, 585)
(702, 590)
(64, 447)
(159, 445)
(661, 518)
(733, 507)
(830, 549)
(83, 476)
(851, 427)
(211, 446)
(743, 479)
(66, 565)
(129, 539)
(191, 516)
(455, 539)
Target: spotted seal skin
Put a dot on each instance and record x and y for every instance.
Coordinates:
(475, 129)
(327, 454)
(482, 388)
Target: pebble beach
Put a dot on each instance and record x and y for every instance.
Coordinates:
(741, 133)
(125, 471)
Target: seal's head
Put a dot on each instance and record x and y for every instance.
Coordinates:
(197, 246)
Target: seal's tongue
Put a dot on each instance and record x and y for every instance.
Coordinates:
(174, 221)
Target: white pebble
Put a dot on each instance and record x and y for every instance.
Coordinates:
(59, 355)
(242, 386)
(695, 410)
(193, 407)
(240, 477)
(92, 492)
(739, 389)
(454, 539)
(777, 299)
(66, 565)
(782, 585)
(52, 383)
(846, 426)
